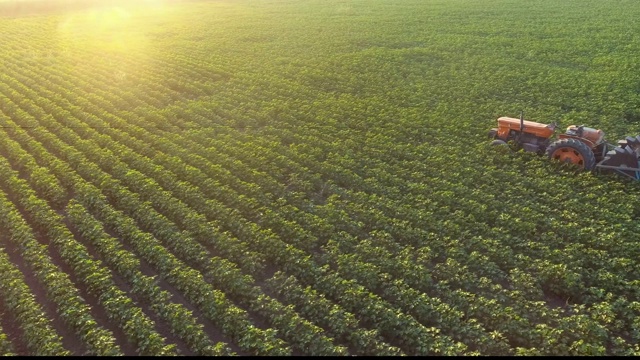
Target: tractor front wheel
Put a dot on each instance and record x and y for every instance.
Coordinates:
(572, 151)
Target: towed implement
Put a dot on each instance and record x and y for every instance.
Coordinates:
(580, 145)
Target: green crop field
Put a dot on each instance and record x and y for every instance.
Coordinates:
(313, 177)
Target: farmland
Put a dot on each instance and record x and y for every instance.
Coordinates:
(313, 177)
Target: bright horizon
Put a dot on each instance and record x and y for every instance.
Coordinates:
(17, 7)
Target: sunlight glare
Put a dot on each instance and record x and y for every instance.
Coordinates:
(111, 27)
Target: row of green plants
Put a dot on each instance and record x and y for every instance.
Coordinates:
(39, 335)
(6, 347)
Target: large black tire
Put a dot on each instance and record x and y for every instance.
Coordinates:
(572, 151)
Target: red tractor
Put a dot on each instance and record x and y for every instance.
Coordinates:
(579, 145)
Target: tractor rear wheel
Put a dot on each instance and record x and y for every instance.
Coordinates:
(572, 151)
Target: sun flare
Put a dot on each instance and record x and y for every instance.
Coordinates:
(110, 26)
